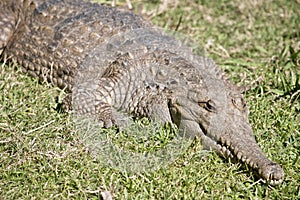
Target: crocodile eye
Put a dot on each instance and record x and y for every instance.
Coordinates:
(208, 105)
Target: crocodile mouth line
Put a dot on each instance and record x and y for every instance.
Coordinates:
(230, 152)
(227, 150)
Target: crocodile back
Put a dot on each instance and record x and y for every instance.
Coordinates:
(50, 39)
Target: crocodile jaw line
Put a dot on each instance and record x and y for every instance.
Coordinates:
(227, 150)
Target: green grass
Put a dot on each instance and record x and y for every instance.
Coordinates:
(41, 156)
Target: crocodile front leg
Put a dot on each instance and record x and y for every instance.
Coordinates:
(104, 101)
(91, 100)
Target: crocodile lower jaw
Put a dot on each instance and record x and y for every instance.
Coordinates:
(235, 154)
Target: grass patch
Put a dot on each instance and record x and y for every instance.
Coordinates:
(255, 42)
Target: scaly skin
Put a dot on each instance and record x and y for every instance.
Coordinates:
(114, 62)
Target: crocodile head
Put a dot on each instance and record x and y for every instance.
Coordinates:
(214, 110)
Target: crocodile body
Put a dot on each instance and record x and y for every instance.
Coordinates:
(114, 62)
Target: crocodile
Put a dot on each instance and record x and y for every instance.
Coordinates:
(113, 62)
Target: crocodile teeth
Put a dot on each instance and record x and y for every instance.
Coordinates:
(239, 155)
(250, 163)
(272, 182)
(259, 171)
(228, 143)
(244, 158)
(222, 140)
(224, 149)
(228, 153)
(275, 182)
